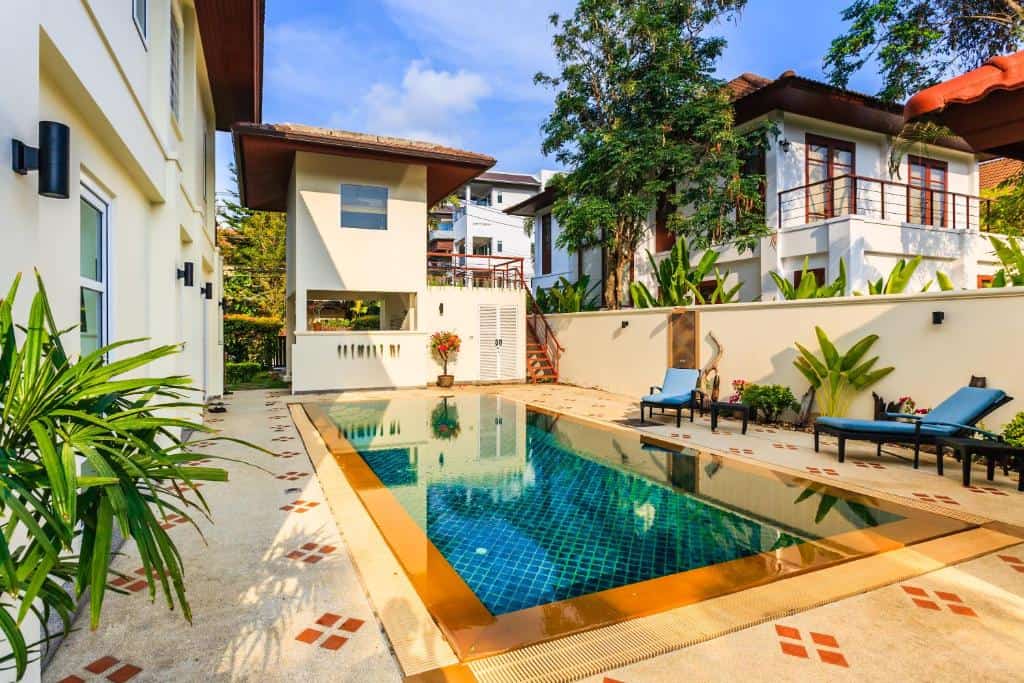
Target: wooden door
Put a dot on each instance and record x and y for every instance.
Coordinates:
(488, 342)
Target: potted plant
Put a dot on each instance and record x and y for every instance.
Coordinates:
(445, 345)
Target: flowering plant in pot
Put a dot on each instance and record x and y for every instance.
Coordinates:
(445, 345)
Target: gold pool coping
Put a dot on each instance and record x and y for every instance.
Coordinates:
(531, 634)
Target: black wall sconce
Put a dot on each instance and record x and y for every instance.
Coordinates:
(938, 317)
(52, 159)
(206, 291)
(625, 324)
(187, 274)
(440, 308)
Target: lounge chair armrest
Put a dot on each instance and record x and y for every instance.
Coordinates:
(654, 389)
(908, 416)
(988, 435)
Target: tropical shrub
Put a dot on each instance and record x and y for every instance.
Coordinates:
(679, 282)
(567, 297)
(250, 339)
(1013, 432)
(444, 345)
(771, 399)
(59, 519)
(808, 288)
(237, 373)
(720, 294)
(1011, 255)
(837, 376)
(366, 322)
(900, 276)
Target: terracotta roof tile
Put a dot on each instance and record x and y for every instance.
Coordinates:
(746, 83)
(1005, 72)
(991, 173)
(511, 178)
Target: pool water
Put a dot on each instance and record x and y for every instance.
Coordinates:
(530, 509)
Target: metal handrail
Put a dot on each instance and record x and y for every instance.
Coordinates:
(545, 335)
(936, 206)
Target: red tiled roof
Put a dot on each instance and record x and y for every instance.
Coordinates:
(1005, 72)
(991, 173)
(746, 83)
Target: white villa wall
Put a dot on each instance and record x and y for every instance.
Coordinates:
(496, 225)
(980, 336)
(84, 64)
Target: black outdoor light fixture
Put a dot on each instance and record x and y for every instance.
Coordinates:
(938, 317)
(52, 159)
(440, 308)
(206, 291)
(625, 324)
(187, 274)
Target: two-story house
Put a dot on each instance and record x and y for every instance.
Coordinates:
(122, 100)
(829, 195)
(357, 210)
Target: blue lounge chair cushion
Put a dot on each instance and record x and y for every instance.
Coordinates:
(666, 400)
(848, 424)
(964, 407)
(676, 388)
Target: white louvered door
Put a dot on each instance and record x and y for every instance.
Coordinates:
(488, 342)
(508, 336)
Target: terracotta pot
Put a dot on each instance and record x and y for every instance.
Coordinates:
(445, 380)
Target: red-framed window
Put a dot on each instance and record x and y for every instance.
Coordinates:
(545, 244)
(818, 273)
(929, 185)
(826, 162)
(985, 281)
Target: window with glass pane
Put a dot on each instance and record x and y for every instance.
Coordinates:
(92, 272)
(175, 67)
(829, 177)
(445, 226)
(139, 13)
(928, 181)
(364, 206)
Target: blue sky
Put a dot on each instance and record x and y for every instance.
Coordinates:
(461, 73)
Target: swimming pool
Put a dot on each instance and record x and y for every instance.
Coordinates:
(512, 519)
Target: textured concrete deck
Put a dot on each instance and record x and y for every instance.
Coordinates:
(263, 579)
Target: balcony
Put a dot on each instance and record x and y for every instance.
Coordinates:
(885, 200)
(452, 269)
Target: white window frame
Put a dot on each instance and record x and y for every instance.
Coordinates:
(141, 26)
(175, 58)
(101, 204)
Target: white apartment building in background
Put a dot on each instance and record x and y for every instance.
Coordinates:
(127, 247)
(829, 195)
(481, 226)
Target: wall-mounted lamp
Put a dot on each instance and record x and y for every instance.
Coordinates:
(440, 308)
(938, 317)
(187, 273)
(625, 324)
(206, 291)
(52, 159)
(221, 303)
(785, 145)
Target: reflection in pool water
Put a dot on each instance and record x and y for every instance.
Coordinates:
(529, 508)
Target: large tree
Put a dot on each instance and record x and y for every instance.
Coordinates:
(917, 43)
(252, 244)
(644, 126)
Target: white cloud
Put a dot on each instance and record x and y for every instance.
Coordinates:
(426, 105)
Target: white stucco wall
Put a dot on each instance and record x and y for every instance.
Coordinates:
(84, 64)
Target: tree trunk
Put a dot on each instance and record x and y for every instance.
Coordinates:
(611, 280)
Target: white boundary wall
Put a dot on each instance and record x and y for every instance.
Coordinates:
(982, 335)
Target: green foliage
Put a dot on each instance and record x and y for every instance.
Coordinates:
(837, 376)
(808, 286)
(638, 108)
(771, 399)
(1012, 257)
(249, 339)
(1013, 432)
(87, 445)
(915, 43)
(238, 373)
(366, 322)
(899, 279)
(676, 278)
(252, 244)
(567, 297)
(1005, 214)
(721, 294)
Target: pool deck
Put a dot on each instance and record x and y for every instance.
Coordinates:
(276, 595)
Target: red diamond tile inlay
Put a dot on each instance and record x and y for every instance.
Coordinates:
(125, 673)
(115, 670)
(310, 553)
(300, 506)
(788, 634)
(914, 590)
(101, 664)
(951, 600)
(328, 626)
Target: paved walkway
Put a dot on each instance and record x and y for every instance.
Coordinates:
(275, 596)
